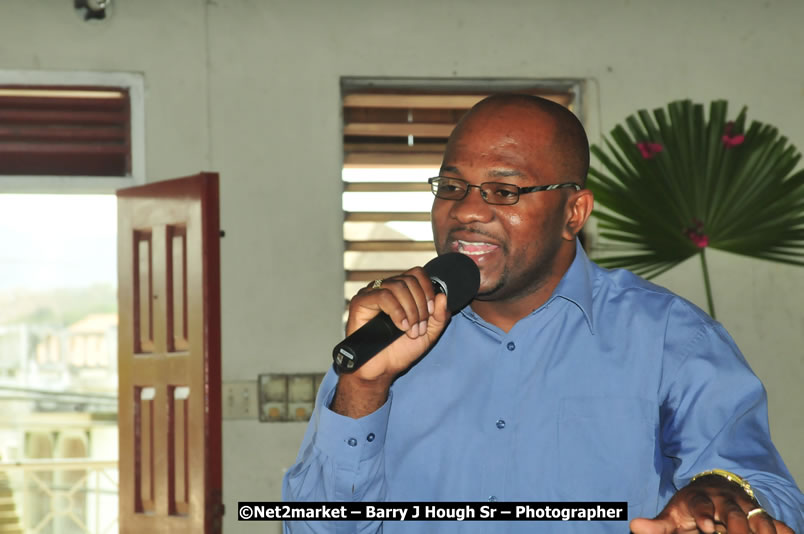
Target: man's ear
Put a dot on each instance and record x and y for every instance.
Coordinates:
(579, 207)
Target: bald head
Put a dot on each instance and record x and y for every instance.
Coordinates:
(554, 127)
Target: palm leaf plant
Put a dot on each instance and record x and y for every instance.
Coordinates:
(675, 183)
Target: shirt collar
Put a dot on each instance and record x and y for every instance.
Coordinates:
(575, 286)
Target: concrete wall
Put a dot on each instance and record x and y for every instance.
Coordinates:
(250, 89)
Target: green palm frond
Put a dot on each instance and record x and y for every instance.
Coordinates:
(673, 183)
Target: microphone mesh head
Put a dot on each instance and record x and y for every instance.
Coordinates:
(461, 276)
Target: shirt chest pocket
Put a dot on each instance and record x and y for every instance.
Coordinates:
(606, 449)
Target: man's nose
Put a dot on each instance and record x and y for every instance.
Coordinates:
(472, 208)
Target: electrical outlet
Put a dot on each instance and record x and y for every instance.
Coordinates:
(240, 400)
(287, 397)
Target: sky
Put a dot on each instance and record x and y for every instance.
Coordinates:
(57, 241)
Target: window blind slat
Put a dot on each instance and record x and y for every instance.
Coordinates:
(26, 116)
(434, 101)
(72, 92)
(62, 133)
(61, 148)
(413, 101)
(396, 148)
(398, 129)
(378, 159)
(389, 246)
(383, 216)
(78, 164)
(69, 104)
(385, 187)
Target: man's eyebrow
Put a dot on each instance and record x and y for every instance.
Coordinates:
(505, 173)
(494, 173)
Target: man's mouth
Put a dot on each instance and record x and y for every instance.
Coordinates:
(475, 248)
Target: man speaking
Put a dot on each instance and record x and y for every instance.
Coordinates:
(560, 381)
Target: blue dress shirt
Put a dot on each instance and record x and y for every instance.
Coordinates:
(614, 390)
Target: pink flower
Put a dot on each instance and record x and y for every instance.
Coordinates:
(701, 241)
(648, 149)
(732, 141)
(729, 140)
(696, 235)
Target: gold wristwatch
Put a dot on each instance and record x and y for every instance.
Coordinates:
(728, 475)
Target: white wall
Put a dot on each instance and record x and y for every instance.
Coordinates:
(250, 89)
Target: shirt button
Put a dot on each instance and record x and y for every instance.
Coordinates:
(492, 499)
(352, 442)
(370, 437)
(500, 424)
(511, 345)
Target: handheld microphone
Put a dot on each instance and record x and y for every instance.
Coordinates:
(453, 274)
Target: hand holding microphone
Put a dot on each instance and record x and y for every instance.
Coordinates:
(414, 303)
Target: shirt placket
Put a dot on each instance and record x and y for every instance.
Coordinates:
(499, 422)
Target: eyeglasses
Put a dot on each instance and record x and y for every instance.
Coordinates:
(492, 192)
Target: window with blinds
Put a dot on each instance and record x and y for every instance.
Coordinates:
(394, 139)
(65, 131)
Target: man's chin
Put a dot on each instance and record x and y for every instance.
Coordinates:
(489, 293)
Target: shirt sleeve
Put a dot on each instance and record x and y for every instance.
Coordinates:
(715, 414)
(341, 460)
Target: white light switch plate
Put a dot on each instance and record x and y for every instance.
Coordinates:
(239, 400)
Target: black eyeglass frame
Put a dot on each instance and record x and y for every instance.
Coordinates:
(520, 190)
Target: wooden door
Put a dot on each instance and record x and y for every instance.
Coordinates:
(169, 357)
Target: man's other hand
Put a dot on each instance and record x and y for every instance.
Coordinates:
(710, 504)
